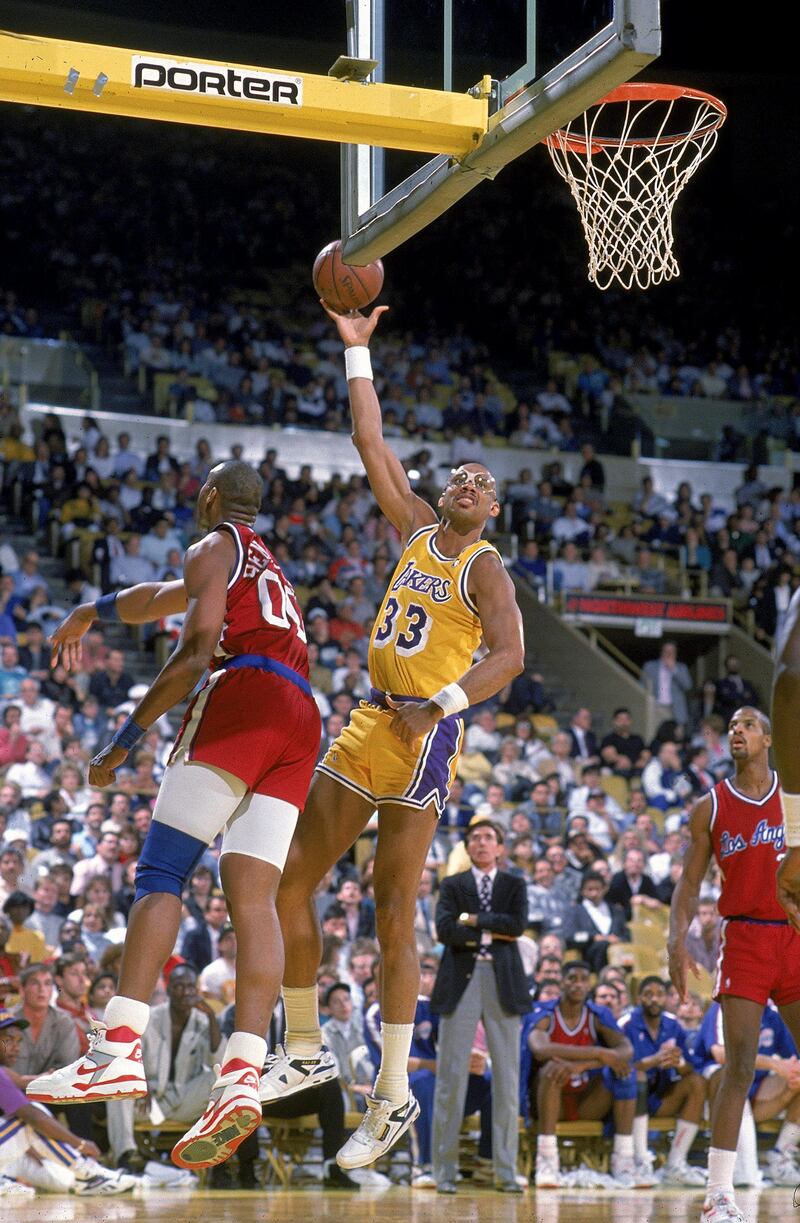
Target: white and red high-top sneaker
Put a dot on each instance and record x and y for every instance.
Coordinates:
(111, 1069)
(234, 1111)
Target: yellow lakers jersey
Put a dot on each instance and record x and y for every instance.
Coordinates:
(427, 629)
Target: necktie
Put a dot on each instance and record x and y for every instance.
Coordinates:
(485, 900)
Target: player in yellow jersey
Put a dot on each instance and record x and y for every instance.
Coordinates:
(399, 751)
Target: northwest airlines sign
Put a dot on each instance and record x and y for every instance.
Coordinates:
(216, 81)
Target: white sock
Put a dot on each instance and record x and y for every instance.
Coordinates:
(303, 1033)
(247, 1047)
(640, 1128)
(623, 1145)
(547, 1146)
(685, 1134)
(788, 1137)
(392, 1081)
(720, 1171)
(123, 1012)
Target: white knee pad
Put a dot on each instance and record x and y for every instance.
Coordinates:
(262, 827)
(197, 799)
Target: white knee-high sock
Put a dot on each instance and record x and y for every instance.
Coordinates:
(720, 1171)
(685, 1134)
(392, 1081)
(123, 1012)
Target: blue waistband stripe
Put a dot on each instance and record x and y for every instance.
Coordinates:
(262, 663)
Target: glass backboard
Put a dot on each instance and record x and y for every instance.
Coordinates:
(546, 61)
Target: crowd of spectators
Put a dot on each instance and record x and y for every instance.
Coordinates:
(594, 824)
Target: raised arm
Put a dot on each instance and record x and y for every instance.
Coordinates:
(206, 571)
(386, 474)
(136, 605)
(785, 714)
(684, 898)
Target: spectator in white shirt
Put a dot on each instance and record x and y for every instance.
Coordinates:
(37, 712)
(131, 568)
(482, 734)
(32, 776)
(570, 527)
(218, 979)
(158, 542)
(552, 400)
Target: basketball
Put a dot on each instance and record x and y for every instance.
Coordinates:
(342, 286)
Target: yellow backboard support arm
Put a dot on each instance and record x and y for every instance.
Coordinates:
(115, 81)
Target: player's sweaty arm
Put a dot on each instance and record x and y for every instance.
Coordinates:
(687, 891)
(785, 714)
(205, 575)
(492, 592)
(139, 604)
(386, 474)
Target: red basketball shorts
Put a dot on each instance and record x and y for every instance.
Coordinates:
(257, 726)
(758, 962)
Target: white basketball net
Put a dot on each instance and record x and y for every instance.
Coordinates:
(626, 184)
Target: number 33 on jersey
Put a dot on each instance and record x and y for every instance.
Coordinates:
(427, 629)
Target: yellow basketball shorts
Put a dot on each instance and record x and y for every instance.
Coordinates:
(373, 762)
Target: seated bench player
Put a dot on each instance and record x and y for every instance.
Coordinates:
(668, 1085)
(776, 1084)
(585, 1073)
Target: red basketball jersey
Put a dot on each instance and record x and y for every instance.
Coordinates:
(747, 835)
(262, 615)
(584, 1033)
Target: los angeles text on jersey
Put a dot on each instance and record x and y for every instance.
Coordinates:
(151, 72)
(765, 834)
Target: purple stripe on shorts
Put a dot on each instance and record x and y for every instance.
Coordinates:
(432, 776)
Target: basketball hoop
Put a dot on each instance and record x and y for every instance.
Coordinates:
(626, 161)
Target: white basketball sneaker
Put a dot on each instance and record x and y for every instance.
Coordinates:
(548, 1172)
(679, 1172)
(720, 1207)
(233, 1112)
(284, 1074)
(782, 1169)
(111, 1069)
(383, 1124)
(92, 1180)
(10, 1188)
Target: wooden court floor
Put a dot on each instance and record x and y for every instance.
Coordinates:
(395, 1205)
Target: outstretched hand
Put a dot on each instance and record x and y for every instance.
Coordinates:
(65, 643)
(354, 329)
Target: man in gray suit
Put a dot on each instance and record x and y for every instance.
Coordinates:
(480, 915)
(669, 682)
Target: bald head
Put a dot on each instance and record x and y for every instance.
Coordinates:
(239, 487)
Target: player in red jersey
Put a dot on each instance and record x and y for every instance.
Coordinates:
(785, 716)
(740, 822)
(241, 762)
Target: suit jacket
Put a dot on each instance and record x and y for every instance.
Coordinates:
(194, 1053)
(580, 931)
(508, 915)
(196, 947)
(590, 738)
(681, 685)
(619, 892)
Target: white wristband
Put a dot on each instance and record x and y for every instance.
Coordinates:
(357, 363)
(791, 818)
(451, 699)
